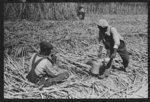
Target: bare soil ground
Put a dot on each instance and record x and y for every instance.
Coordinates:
(77, 41)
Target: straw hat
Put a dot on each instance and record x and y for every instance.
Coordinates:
(102, 23)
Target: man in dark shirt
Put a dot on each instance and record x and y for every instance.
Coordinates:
(113, 42)
(42, 69)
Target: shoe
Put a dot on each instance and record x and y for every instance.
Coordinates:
(124, 70)
(94, 75)
(105, 74)
(102, 76)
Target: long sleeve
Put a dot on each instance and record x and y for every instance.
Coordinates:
(100, 37)
(116, 37)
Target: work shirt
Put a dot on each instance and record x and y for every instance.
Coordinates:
(43, 66)
(81, 10)
(111, 38)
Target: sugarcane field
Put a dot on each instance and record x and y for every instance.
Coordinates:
(66, 36)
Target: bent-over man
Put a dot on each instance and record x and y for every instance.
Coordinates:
(113, 42)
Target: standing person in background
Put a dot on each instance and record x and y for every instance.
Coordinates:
(113, 43)
(81, 13)
(42, 70)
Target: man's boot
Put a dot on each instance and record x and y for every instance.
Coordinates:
(105, 74)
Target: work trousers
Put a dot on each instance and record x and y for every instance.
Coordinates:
(48, 81)
(81, 15)
(122, 51)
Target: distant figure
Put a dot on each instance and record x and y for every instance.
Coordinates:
(81, 13)
(42, 70)
(113, 42)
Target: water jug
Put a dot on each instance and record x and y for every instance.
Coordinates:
(96, 65)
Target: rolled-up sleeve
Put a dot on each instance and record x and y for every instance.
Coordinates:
(115, 37)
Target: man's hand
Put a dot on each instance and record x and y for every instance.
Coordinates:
(113, 55)
(49, 73)
(100, 50)
(106, 60)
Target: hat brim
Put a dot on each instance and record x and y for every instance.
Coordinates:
(102, 26)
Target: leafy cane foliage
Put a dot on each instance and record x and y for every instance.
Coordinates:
(66, 11)
(36, 11)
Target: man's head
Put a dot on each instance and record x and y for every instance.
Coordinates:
(45, 48)
(102, 24)
(81, 6)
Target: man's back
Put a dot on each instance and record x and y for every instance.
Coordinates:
(42, 65)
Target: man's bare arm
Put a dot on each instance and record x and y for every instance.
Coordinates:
(48, 71)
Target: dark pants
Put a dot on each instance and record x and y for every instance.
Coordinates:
(122, 52)
(81, 15)
(50, 81)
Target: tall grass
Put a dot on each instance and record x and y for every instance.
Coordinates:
(35, 11)
(116, 8)
(61, 11)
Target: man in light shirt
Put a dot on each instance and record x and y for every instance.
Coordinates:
(113, 43)
(42, 70)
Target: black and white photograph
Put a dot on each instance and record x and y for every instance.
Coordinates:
(75, 50)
